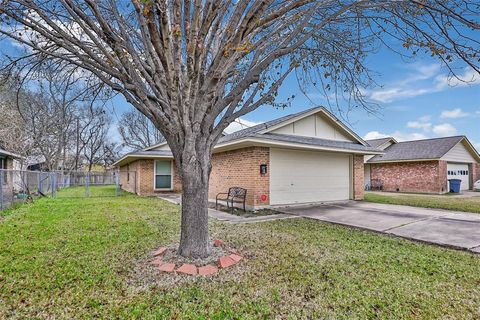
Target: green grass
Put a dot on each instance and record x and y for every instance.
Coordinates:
(437, 202)
(93, 191)
(73, 258)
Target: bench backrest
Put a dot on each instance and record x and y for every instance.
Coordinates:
(237, 192)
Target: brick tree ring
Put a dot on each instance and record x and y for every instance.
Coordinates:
(223, 262)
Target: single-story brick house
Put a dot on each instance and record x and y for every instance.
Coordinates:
(422, 166)
(305, 157)
(7, 160)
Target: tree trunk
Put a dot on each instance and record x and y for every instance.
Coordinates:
(194, 240)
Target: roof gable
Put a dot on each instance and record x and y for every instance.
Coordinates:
(428, 149)
(382, 143)
(158, 146)
(273, 125)
(317, 122)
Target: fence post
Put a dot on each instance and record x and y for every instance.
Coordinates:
(87, 184)
(54, 187)
(39, 182)
(117, 183)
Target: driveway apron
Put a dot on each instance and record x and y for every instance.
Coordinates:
(442, 227)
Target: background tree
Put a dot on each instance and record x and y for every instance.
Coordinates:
(14, 136)
(137, 131)
(95, 126)
(193, 67)
(54, 121)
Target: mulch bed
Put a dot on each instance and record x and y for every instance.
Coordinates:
(248, 213)
(166, 267)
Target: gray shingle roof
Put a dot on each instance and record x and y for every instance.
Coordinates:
(160, 153)
(378, 142)
(418, 149)
(248, 132)
(315, 142)
(254, 132)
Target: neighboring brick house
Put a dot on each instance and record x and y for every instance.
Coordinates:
(422, 166)
(309, 157)
(6, 177)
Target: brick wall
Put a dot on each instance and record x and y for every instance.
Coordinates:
(422, 177)
(358, 177)
(142, 178)
(475, 168)
(128, 178)
(241, 168)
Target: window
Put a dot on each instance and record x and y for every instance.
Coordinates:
(163, 174)
(3, 165)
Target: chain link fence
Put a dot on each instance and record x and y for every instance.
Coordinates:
(17, 186)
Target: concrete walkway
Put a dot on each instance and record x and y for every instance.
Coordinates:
(227, 217)
(447, 228)
(463, 194)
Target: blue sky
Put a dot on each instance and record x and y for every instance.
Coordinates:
(416, 97)
(416, 101)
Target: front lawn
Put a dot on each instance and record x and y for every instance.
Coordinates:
(435, 201)
(73, 258)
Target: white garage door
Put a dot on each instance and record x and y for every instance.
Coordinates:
(459, 171)
(305, 176)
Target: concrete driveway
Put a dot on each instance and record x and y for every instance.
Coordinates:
(447, 228)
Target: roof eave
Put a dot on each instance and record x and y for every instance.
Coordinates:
(10, 154)
(241, 143)
(403, 160)
(129, 158)
(155, 146)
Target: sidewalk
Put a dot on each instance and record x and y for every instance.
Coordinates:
(227, 217)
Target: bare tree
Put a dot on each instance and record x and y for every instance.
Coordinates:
(94, 135)
(193, 67)
(14, 136)
(137, 131)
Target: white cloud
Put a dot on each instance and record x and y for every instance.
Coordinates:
(453, 114)
(398, 135)
(444, 129)
(425, 118)
(425, 79)
(422, 123)
(468, 77)
(375, 135)
(392, 94)
(240, 124)
(425, 126)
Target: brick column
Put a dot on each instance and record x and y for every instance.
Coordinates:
(442, 184)
(475, 169)
(358, 177)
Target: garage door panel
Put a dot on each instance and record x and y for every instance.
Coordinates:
(459, 171)
(304, 176)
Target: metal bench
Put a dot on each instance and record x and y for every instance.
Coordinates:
(234, 195)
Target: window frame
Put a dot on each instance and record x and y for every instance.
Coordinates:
(3, 166)
(155, 175)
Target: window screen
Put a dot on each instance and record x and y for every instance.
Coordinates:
(163, 174)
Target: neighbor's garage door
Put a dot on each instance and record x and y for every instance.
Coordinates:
(305, 176)
(459, 171)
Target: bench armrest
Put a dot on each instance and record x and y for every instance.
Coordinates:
(222, 193)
